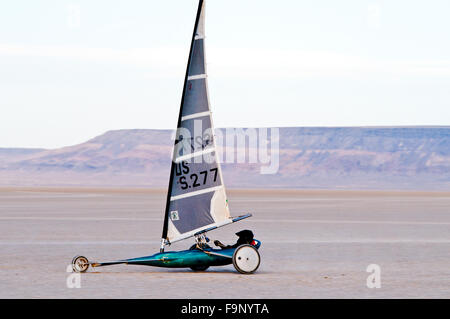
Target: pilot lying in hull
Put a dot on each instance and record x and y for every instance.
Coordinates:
(245, 237)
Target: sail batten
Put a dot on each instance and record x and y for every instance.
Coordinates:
(195, 115)
(196, 154)
(196, 199)
(197, 77)
(196, 193)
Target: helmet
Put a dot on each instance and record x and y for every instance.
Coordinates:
(245, 234)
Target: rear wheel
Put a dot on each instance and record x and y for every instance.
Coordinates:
(246, 259)
(80, 264)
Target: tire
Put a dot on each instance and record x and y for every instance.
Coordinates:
(246, 259)
(80, 264)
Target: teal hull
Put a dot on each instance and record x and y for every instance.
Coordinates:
(185, 258)
(182, 259)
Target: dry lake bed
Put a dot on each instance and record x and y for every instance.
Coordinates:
(315, 244)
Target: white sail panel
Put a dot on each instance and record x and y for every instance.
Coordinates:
(196, 197)
(183, 223)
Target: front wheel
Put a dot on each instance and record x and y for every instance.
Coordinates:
(80, 264)
(246, 259)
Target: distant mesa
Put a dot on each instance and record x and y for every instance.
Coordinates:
(416, 158)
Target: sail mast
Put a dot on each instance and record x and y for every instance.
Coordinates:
(196, 198)
(166, 215)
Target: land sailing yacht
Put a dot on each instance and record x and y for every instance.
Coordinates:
(196, 199)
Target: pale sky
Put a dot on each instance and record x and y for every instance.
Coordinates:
(71, 70)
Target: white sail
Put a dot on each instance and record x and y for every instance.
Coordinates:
(196, 199)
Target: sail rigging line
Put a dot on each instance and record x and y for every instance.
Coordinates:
(166, 216)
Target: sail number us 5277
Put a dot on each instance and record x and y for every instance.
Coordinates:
(194, 180)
